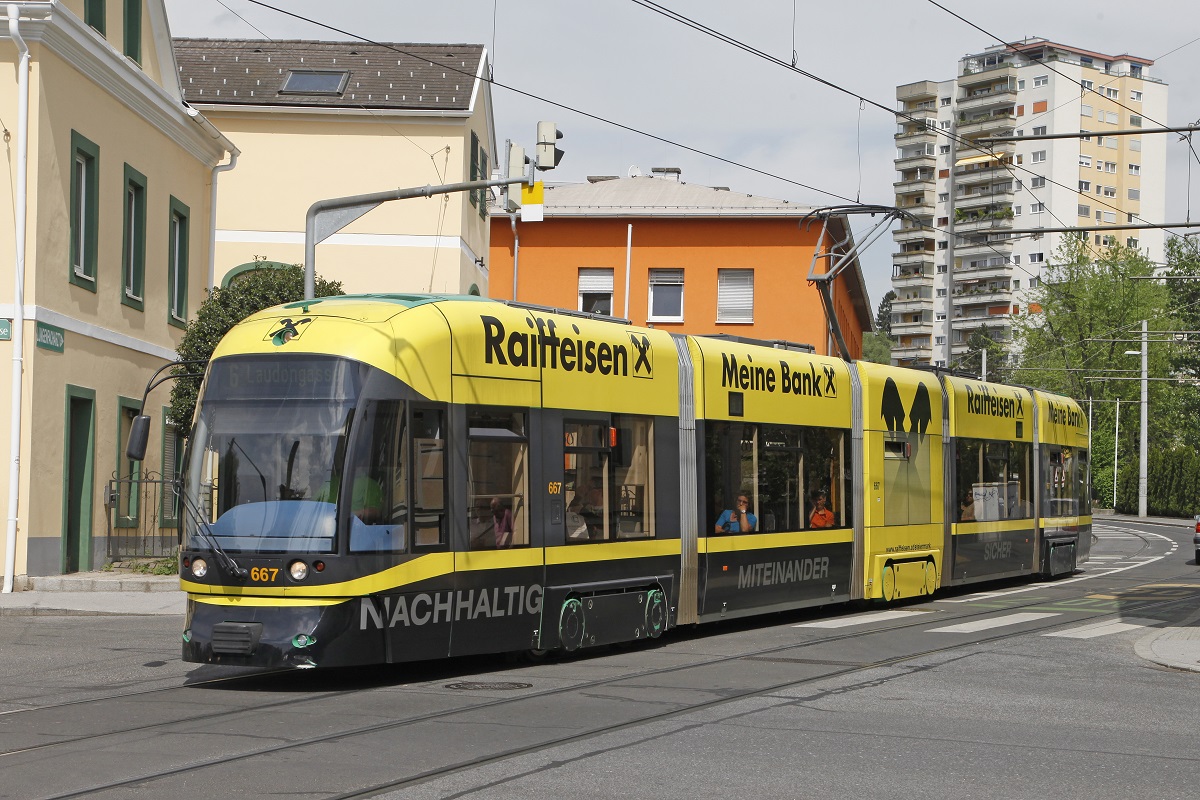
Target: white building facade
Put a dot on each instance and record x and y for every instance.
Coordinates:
(970, 199)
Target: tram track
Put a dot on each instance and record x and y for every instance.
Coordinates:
(639, 675)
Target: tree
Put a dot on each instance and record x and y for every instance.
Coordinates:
(987, 340)
(226, 307)
(1183, 260)
(883, 316)
(877, 347)
(1081, 319)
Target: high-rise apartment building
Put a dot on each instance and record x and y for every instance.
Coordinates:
(982, 195)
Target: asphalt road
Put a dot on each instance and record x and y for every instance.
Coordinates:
(1011, 690)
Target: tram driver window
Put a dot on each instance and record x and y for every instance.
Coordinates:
(496, 478)
(373, 484)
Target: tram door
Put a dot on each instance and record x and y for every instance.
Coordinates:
(499, 569)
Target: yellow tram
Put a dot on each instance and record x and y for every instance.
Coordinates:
(388, 478)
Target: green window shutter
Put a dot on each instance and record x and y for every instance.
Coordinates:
(474, 165)
(133, 30)
(84, 211)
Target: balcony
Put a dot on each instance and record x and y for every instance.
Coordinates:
(988, 125)
(919, 260)
(917, 115)
(974, 296)
(976, 175)
(924, 135)
(975, 322)
(914, 233)
(912, 305)
(916, 183)
(986, 99)
(918, 90)
(910, 280)
(984, 201)
(974, 72)
(984, 270)
(996, 221)
(1000, 247)
(923, 328)
(926, 160)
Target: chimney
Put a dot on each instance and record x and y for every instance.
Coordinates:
(601, 178)
(667, 173)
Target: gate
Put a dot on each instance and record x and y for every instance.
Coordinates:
(143, 516)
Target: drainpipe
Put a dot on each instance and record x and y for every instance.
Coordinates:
(516, 250)
(628, 260)
(18, 337)
(200, 120)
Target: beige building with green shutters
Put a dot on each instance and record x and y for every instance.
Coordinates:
(318, 120)
(115, 174)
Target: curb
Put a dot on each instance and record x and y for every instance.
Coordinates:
(1181, 522)
(1144, 646)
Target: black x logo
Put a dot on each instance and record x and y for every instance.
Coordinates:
(288, 330)
(642, 345)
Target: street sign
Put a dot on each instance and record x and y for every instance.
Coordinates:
(5, 330)
(49, 337)
(532, 198)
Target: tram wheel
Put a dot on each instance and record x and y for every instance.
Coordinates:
(889, 583)
(656, 613)
(930, 577)
(571, 624)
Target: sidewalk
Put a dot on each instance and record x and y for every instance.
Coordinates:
(94, 594)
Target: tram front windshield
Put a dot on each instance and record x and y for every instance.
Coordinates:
(266, 453)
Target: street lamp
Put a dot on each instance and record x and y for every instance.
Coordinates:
(1143, 445)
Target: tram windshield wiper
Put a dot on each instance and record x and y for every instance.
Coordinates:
(206, 533)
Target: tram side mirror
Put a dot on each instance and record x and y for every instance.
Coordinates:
(139, 433)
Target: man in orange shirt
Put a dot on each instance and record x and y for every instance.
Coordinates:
(821, 517)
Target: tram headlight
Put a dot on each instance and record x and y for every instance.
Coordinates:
(199, 567)
(298, 570)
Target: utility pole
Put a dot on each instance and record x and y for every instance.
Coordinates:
(1142, 467)
(950, 242)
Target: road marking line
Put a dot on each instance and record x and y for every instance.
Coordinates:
(1104, 628)
(994, 622)
(843, 622)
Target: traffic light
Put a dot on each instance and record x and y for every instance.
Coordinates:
(517, 160)
(548, 155)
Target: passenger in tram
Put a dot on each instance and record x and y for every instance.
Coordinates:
(366, 496)
(738, 519)
(821, 517)
(577, 528)
(502, 523)
(966, 508)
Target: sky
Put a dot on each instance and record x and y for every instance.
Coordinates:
(726, 117)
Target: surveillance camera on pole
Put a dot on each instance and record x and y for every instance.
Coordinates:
(548, 155)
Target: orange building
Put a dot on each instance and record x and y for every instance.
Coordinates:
(677, 256)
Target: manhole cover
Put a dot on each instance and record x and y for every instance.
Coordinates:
(474, 686)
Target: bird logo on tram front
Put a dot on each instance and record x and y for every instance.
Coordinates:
(287, 330)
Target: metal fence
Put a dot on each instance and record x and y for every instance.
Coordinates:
(143, 516)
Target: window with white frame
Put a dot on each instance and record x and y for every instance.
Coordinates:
(1040, 80)
(1037, 258)
(1084, 138)
(1085, 161)
(735, 295)
(666, 295)
(1085, 110)
(1085, 211)
(1110, 216)
(943, 245)
(1134, 144)
(1087, 85)
(1016, 211)
(1039, 156)
(1110, 166)
(1085, 186)
(945, 124)
(1131, 243)
(1037, 208)
(945, 101)
(1135, 121)
(1135, 169)
(943, 197)
(1016, 259)
(1037, 182)
(1020, 86)
(1034, 282)
(1135, 194)
(1016, 283)
(1110, 142)
(1110, 191)
(1111, 93)
(944, 149)
(1135, 96)
(1111, 117)
(596, 290)
(941, 292)
(1039, 130)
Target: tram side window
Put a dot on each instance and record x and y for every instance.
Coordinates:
(1065, 484)
(429, 481)
(782, 470)
(993, 480)
(633, 469)
(497, 476)
(377, 469)
(586, 452)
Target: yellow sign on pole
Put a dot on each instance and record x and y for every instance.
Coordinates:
(532, 198)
